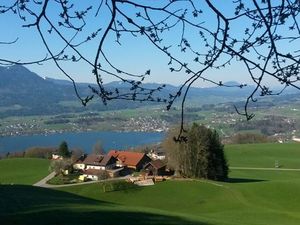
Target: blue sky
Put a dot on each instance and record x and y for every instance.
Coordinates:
(135, 55)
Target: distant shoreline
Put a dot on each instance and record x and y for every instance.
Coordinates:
(83, 140)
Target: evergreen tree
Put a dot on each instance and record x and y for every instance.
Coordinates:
(63, 150)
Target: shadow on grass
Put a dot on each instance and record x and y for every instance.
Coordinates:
(21, 198)
(99, 217)
(27, 205)
(243, 180)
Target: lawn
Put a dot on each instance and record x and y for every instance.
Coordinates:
(250, 197)
(23, 170)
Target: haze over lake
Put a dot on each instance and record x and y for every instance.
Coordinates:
(83, 140)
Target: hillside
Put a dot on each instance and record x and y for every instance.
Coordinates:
(249, 197)
(23, 92)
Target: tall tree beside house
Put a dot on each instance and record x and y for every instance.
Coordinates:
(76, 154)
(59, 166)
(63, 150)
(98, 148)
(202, 156)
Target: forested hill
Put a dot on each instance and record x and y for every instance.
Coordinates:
(23, 92)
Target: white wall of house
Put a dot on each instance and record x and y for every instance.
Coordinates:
(155, 156)
(95, 167)
(78, 166)
(55, 156)
(119, 164)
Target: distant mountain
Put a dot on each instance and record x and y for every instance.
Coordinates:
(35, 95)
(59, 82)
(23, 92)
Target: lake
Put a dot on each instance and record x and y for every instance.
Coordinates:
(83, 140)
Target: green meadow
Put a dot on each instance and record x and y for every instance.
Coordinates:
(264, 155)
(249, 197)
(23, 170)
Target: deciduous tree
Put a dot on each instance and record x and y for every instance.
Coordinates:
(201, 156)
(98, 148)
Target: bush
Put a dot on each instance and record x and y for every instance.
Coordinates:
(103, 175)
(249, 138)
(39, 152)
(59, 166)
(117, 186)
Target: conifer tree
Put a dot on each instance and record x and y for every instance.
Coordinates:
(63, 150)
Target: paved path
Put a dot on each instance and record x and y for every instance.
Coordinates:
(262, 168)
(43, 182)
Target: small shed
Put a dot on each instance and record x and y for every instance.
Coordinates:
(155, 168)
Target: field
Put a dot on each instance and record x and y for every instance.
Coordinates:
(23, 170)
(264, 155)
(250, 197)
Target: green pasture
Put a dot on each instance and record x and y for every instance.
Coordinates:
(23, 170)
(249, 197)
(264, 155)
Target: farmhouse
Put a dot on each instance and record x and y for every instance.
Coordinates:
(132, 160)
(93, 162)
(108, 162)
(78, 164)
(99, 162)
(155, 168)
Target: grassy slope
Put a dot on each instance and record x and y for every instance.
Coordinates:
(249, 198)
(23, 170)
(246, 201)
(264, 155)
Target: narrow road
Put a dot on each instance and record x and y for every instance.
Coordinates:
(43, 182)
(262, 168)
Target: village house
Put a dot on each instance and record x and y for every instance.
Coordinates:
(56, 156)
(78, 164)
(155, 168)
(99, 162)
(132, 160)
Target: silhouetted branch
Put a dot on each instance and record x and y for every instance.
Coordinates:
(266, 42)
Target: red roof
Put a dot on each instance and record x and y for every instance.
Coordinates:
(93, 159)
(157, 164)
(127, 158)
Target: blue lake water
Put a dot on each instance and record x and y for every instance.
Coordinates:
(83, 140)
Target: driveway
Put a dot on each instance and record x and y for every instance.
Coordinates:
(43, 182)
